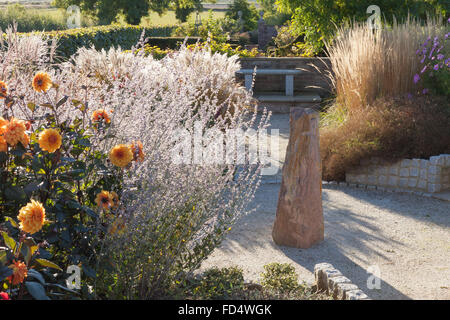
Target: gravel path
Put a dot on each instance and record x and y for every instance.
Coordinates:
(406, 236)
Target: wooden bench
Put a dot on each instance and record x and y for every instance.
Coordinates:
(288, 73)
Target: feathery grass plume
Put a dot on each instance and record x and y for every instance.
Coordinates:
(369, 64)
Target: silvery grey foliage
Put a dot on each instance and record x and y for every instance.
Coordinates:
(174, 214)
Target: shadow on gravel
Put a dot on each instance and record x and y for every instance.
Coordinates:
(413, 206)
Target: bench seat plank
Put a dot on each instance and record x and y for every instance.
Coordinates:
(270, 71)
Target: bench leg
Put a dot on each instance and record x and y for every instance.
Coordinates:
(289, 85)
(248, 81)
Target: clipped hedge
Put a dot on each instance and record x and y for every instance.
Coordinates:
(109, 36)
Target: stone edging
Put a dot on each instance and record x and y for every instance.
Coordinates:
(333, 282)
(386, 189)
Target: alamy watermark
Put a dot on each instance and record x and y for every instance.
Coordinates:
(74, 17)
(374, 280)
(374, 21)
(232, 147)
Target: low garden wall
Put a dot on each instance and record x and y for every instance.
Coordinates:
(311, 80)
(431, 176)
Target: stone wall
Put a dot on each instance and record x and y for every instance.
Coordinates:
(333, 282)
(311, 80)
(430, 176)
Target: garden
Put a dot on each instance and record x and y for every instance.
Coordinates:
(92, 204)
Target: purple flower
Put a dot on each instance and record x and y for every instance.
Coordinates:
(440, 56)
(436, 67)
(448, 20)
(425, 91)
(409, 96)
(423, 70)
(416, 78)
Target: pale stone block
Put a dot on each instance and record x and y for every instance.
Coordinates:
(422, 184)
(383, 170)
(437, 160)
(415, 163)
(432, 187)
(342, 288)
(434, 170)
(405, 163)
(393, 180)
(424, 164)
(412, 182)
(447, 159)
(321, 281)
(414, 172)
(393, 170)
(423, 173)
(333, 282)
(382, 180)
(433, 178)
(403, 182)
(372, 179)
(361, 179)
(371, 187)
(404, 172)
(357, 294)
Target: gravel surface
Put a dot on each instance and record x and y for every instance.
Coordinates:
(407, 237)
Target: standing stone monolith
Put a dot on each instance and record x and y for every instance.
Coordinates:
(299, 220)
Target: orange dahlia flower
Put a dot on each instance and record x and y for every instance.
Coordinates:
(138, 151)
(25, 140)
(104, 200)
(14, 131)
(32, 217)
(20, 272)
(3, 90)
(42, 82)
(50, 140)
(3, 144)
(100, 115)
(121, 155)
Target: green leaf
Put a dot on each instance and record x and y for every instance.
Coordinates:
(12, 221)
(36, 290)
(62, 101)
(36, 275)
(32, 106)
(49, 264)
(10, 242)
(15, 193)
(5, 272)
(26, 253)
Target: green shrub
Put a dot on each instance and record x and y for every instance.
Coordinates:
(218, 283)
(280, 277)
(390, 129)
(220, 29)
(105, 37)
(316, 20)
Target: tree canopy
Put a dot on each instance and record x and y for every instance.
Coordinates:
(133, 10)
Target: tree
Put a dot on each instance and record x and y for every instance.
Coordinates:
(316, 20)
(107, 10)
(249, 16)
